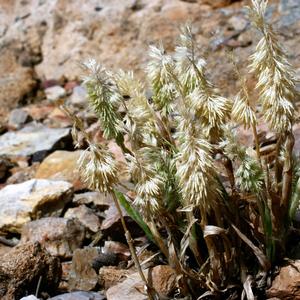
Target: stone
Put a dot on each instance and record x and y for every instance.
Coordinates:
(62, 165)
(31, 297)
(20, 203)
(81, 295)
(16, 82)
(23, 266)
(18, 117)
(86, 216)
(95, 199)
(61, 237)
(164, 280)
(22, 173)
(131, 288)
(286, 284)
(110, 276)
(33, 140)
(78, 97)
(238, 23)
(218, 3)
(82, 275)
(55, 93)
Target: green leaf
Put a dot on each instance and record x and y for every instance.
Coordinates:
(134, 214)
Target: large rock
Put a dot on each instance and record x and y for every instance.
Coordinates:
(23, 202)
(286, 285)
(62, 165)
(34, 139)
(16, 82)
(58, 235)
(23, 267)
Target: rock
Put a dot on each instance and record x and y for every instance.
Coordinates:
(82, 274)
(96, 199)
(86, 216)
(34, 140)
(286, 284)
(61, 237)
(79, 296)
(40, 111)
(62, 165)
(290, 10)
(16, 82)
(218, 3)
(20, 203)
(5, 166)
(131, 288)
(163, 280)
(31, 297)
(237, 23)
(22, 173)
(55, 93)
(23, 266)
(78, 97)
(4, 249)
(120, 249)
(18, 117)
(110, 276)
(58, 119)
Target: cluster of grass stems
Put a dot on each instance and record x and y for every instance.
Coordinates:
(219, 212)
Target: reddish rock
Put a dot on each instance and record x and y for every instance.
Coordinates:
(286, 285)
(164, 280)
(58, 235)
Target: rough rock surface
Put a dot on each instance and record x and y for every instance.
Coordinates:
(79, 296)
(163, 280)
(62, 165)
(58, 235)
(286, 284)
(86, 216)
(34, 139)
(20, 203)
(131, 288)
(82, 274)
(21, 268)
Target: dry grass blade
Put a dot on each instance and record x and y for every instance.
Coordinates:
(213, 230)
(248, 288)
(264, 262)
(185, 240)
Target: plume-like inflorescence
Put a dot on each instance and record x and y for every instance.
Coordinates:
(98, 168)
(195, 171)
(211, 110)
(250, 176)
(242, 112)
(140, 118)
(209, 107)
(149, 183)
(276, 80)
(160, 71)
(187, 64)
(104, 98)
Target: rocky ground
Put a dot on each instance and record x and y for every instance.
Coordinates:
(57, 238)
